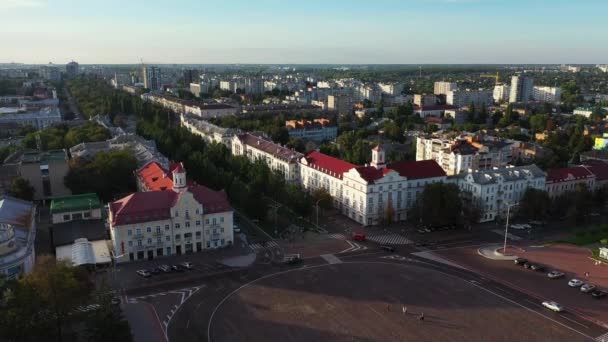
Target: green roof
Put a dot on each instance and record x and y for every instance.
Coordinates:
(75, 203)
(32, 156)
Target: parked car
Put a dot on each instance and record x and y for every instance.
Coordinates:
(520, 261)
(586, 288)
(555, 274)
(528, 265)
(537, 223)
(155, 270)
(187, 265)
(516, 226)
(388, 248)
(293, 259)
(358, 236)
(165, 268)
(526, 226)
(144, 273)
(551, 305)
(177, 268)
(575, 283)
(538, 267)
(236, 228)
(597, 294)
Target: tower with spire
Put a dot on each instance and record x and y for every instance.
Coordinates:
(179, 178)
(378, 160)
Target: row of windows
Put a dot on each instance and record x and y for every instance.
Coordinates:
(177, 237)
(176, 225)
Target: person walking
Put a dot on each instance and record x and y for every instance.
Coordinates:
(421, 317)
(388, 307)
(404, 309)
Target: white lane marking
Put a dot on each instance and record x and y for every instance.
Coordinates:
(602, 338)
(573, 321)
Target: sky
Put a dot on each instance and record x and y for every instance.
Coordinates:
(304, 31)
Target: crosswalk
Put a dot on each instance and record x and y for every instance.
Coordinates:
(263, 245)
(337, 236)
(602, 338)
(390, 239)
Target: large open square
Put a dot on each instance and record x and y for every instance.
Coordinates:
(364, 301)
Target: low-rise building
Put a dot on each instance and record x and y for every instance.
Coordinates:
(584, 111)
(463, 98)
(316, 130)
(209, 132)
(433, 110)
(278, 158)
(75, 207)
(143, 150)
(493, 190)
(181, 219)
(37, 118)
(567, 179)
(17, 235)
(179, 106)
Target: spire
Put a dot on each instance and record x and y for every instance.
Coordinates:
(378, 157)
(179, 178)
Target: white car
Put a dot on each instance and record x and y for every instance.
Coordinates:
(575, 283)
(144, 273)
(555, 274)
(587, 288)
(551, 305)
(526, 226)
(517, 226)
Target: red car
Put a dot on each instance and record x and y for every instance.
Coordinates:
(358, 237)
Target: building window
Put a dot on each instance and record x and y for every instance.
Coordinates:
(166, 227)
(188, 236)
(207, 221)
(197, 211)
(149, 241)
(138, 231)
(168, 238)
(214, 221)
(159, 240)
(177, 225)
(208, 244)
(178, 237)
(198, 235)
(222, 242)
(168, 250)
(139, 243)
(214, 230)
(148, 229)
(129, 232)
(198, 222)
(130, 243)
(176, 213)
(66, 217)
(187, 224)
(222, 219)
(222, 230)
(87, 214)
(158, 229)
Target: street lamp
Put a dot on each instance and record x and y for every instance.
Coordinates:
(317, 206)
(509, 205)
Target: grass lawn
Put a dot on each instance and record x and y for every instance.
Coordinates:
(588, 235)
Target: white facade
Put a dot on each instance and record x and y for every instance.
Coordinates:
(38, 119)
(547, 94)
(463, 98)
(208, 131)
(522, 89)
(443, 88)
(17, 236)
(494, 189)
(391, 89)
(501, 93)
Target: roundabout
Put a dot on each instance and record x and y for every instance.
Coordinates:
(365, 301)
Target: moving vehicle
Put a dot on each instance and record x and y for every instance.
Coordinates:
(555, 274)
(586, 288)
(520, 261)
(528, 265)
(537, 223)
(165, 268)
(554, 306)
(388, 248)
(292, 259)
(144, 273)
(358, 237)
(177, 268)
(597, 294)
(575, 283)
(538, 267)
(155, 270)
(187, 265)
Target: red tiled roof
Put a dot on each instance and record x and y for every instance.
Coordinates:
(418, 169)
(371, 174)
(568, 174)
(598, 168)
(155, 177)
(270, 147)
(327, 164)
(155, 205)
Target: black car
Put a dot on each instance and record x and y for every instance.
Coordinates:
(155, 270)
(528, 265)
(177, 268)
(537, 267)
(293, 259)
(388, 248)
(597, 294)
(520, 261)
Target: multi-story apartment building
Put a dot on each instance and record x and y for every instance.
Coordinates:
(547, 94)
(463, 98)
(560, 181)
(143, 150)
(373, 193)
(341, 103)
(464, 153)
(522, 89)
(316, 130)
(278, 158)
(71, 69)
(17, 236)
(208, 131)
(180, 106)
(423, 100)
(443, 88)
(391, 89)
(501, 93)
(152, 77)
(493, 190)
(173, 217)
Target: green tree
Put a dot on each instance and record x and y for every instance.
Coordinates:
(438, 205)
(534, 204)
(21, 188)
(538, 122)
(322, 197)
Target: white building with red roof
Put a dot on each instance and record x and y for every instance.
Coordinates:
(567, 179)
(373, 193)
(170, 216)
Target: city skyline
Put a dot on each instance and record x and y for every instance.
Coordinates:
(315, 32)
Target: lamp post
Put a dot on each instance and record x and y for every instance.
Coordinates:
(509, 205)
(317, 206)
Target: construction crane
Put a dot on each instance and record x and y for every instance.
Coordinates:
(496, 77)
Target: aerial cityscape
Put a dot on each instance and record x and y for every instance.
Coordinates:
(417, 170)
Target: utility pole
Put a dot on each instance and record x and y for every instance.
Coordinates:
(509, 205)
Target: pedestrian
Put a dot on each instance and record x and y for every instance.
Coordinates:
(388, 307)
(404, 309)
(422, 316)
(587, 274)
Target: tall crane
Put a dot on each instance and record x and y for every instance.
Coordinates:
(496, 77)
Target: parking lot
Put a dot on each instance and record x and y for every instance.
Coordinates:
(571, 260)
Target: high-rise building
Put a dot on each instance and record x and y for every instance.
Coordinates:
(501, 93)
(462, 98)
(547, 94)
(190, 76)
(522, 89)
(71, 69)
(341, 103)
(152, 77)
(442, 88)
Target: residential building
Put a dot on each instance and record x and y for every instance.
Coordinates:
(75, 207)
(44, 170)
(443, 88)
(567, 179)
(179, 106)
(369, 194)
(181, 219)
(37, 118)
(501, 93)
(17, 236)
(278, 158)
(425, 100)
(316, 130)
(459, 116)
(584, 111)
(152, 77)
(190, 76)
(341, 103)
(433, 110)
(208, 131)
(601, 142)
(522, 89)
(143, 150)
(391, 89)
(464, 98)
(50, 73)
(551, 95)
(71, 69)
(493, 190)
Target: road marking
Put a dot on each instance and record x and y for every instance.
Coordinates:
(573, 321)
(534, 303)
(503, 290)
(331, 259)
(187, 324)
(374, 310)
(602, 338)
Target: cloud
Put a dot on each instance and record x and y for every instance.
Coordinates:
(8, 4)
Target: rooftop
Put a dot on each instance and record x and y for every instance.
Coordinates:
(68, 232)
(327, 164)
(75, 203)
(506, 174)
(16, 212)
(418, 169)
(278, 151)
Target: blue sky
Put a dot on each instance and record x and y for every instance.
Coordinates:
(304, 31)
